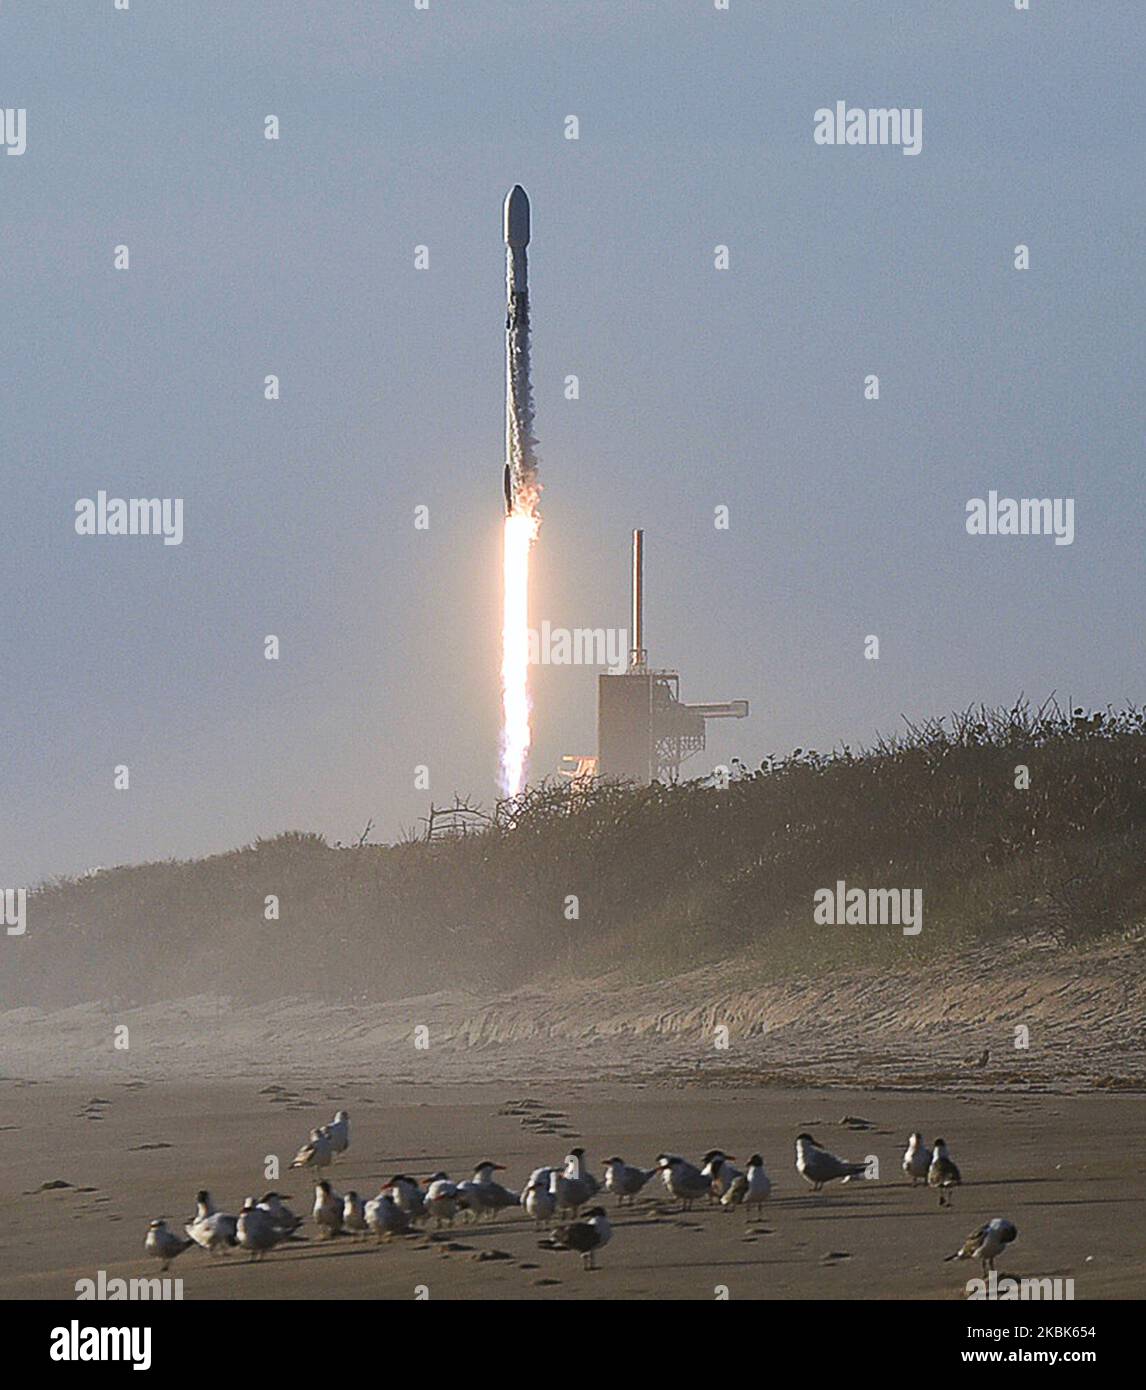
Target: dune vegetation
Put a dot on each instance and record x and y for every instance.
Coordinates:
(640, 882)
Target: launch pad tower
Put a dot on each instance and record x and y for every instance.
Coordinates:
(644, 730)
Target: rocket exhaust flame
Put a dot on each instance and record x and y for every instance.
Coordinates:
(522, 495)
(520, 532)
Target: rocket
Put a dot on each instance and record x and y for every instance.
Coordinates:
(520, 465)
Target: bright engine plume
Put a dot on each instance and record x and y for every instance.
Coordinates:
(522, 494)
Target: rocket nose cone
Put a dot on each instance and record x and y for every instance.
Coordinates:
(516, 217)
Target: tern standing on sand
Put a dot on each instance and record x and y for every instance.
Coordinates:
(719, 1172)
(482, 1194)
(327, 1209)
(441, 1198)
(283, 1219)
(623, 1180)
(255, 1230)
(751, 1189)
(682, 1179)
(354, 1214)
(163, 1244)
(211, 1229)
(538, 1198)
(817, 1166)
(385, 1217)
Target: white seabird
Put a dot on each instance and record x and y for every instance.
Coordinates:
(441, 1198)
(212, 1230)
(749, 1189)
(354, 1214)
(917, 1159)
(817, 1166)
(338, 1132)
(255, 1230)
(623, 1180)
(164, 1244)
(327, 1209)
(284, 1220)
(682, 1179)
(385, 1217)
(408, 1195)
(482, 1194)
(315, 1153)
(537, 1196)
(943, 1174)
(719, 1172)
(987, 1243)
(572, 1186)
(586, 1237)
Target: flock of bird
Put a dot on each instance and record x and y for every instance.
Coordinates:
(560, 1192)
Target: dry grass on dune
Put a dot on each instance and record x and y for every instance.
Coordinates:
(667, 878)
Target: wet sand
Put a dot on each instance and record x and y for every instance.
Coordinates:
(1066, 1168)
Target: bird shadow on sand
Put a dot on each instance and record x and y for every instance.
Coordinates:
(1088, 1202)
(339, 1251)
(1006, 1182)
(704, 1264)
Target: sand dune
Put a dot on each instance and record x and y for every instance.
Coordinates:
(1084, 1012)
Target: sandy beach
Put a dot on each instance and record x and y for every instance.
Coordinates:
(1064, 1168)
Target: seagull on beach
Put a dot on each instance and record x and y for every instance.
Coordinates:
(315, 1153)
(987, 1243)
(338, 1132)
(943, 1174)
(212, 1230)
(917, 1159)
(816, 1166)
(328, 1207)
(682, 1179)
(749, 1189)
(164, 1244)
(586, 1237)
(623, 1180)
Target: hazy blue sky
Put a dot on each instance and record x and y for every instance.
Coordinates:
(698, 387)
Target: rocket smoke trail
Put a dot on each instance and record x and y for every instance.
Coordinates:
(522, 494)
